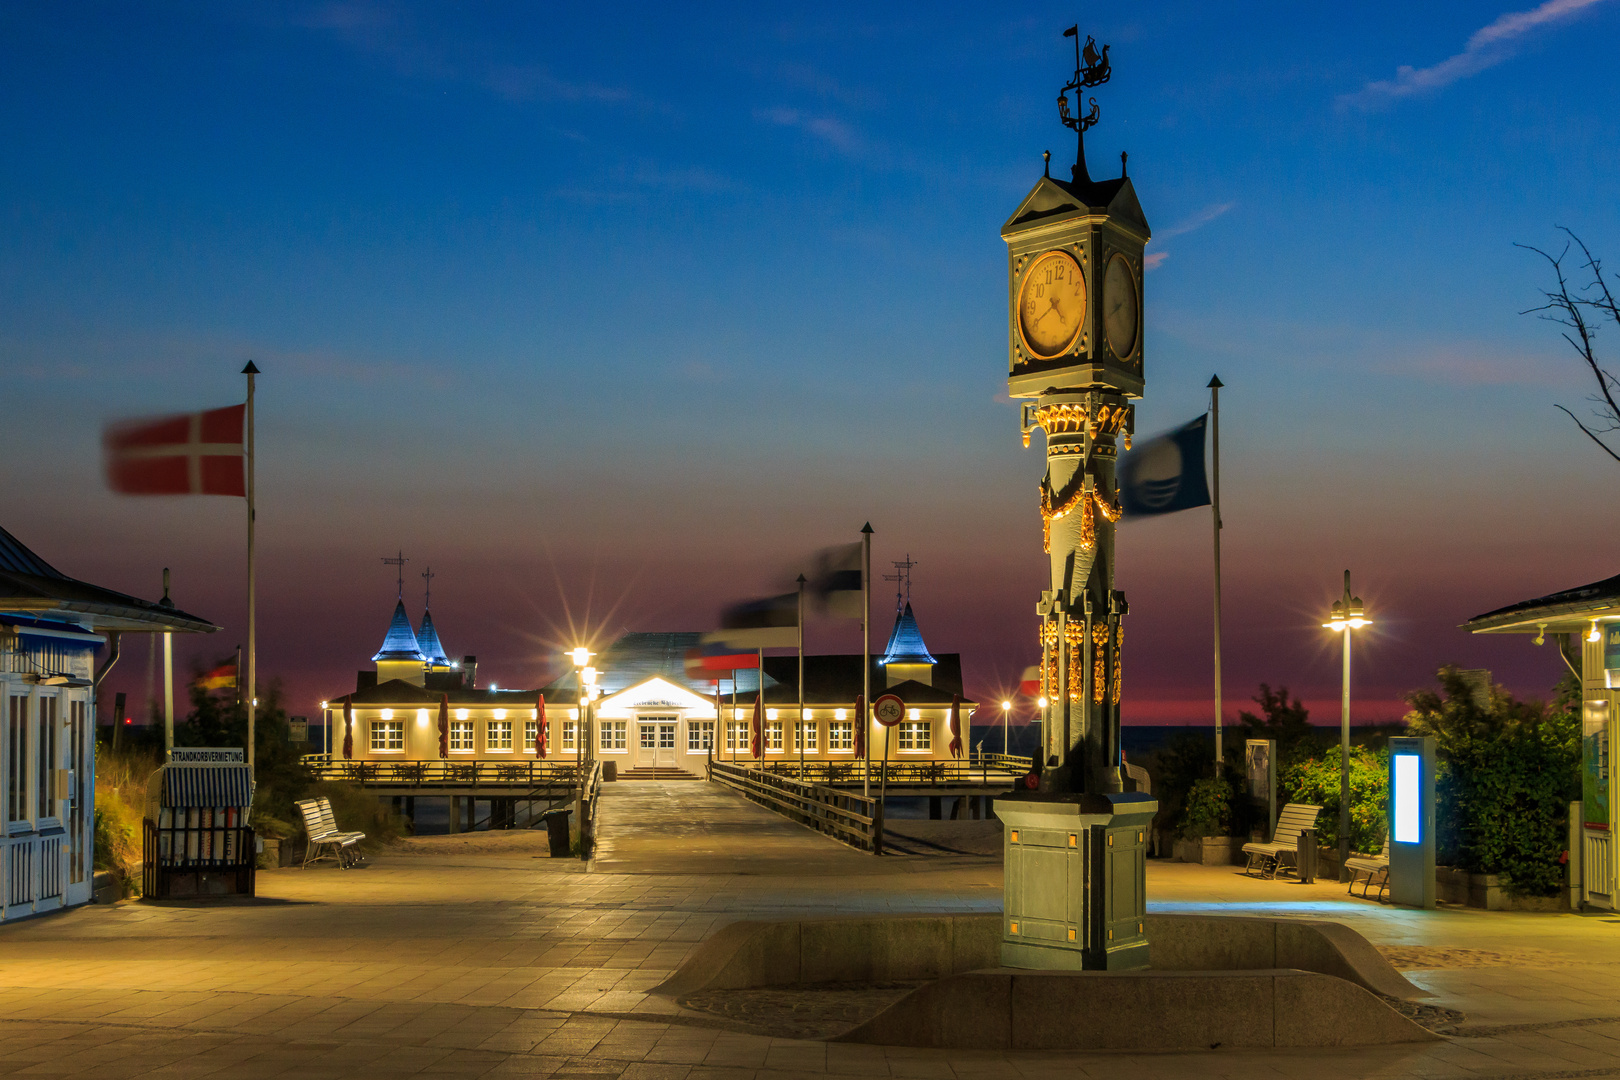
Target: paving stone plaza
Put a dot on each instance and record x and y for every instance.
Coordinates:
(477, 955)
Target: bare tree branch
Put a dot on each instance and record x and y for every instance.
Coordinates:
(1569, 309)
(1588, 431)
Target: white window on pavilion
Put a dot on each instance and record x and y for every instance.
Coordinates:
(808, 733)
(387, 735)
(531, 728)
(614, 733)
(699, 736)
(773, 735)
(841, 735)
(461, 736)
(916, 735)
(498, 735)
(570, 735)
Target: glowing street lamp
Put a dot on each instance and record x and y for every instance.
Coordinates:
(1006, 713)
(1346, 615)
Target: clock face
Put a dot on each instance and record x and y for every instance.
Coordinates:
(1052, 305)
(1120, 307)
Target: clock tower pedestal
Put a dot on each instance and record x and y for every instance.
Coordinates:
(1074, 838)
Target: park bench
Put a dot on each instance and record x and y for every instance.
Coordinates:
(1374, 867)
(1267, 858)
(324, 835)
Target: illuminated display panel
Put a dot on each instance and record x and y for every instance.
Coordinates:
(1408, 798)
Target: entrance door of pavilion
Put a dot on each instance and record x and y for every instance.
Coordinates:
(655, 742)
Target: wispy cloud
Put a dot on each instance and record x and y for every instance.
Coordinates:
(830, 130)
(1489, 46)
(1197, 221)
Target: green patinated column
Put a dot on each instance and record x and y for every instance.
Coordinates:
(1075, 839)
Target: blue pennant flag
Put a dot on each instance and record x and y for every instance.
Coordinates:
(1165, 473)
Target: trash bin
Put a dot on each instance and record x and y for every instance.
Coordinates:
(557, 831)
(610, 771)
(1305, 853)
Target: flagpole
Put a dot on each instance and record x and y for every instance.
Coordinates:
(1215, 517)
(168, 678)
(866, 659)
(251, 693)
(799, 731)
(759, 707)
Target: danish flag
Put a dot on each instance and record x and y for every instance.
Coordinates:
(192, 454)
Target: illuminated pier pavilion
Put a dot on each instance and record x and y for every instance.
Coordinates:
(648, 720)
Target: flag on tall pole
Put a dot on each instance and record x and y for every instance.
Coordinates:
(200, 453)
(1165, 473)
(835, 580)
(220, 678)
(768, 623)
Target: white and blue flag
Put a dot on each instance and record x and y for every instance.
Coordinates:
(1165, 473)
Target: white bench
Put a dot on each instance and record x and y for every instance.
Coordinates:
(326, 840)
(1268, 857)
(1375, 867)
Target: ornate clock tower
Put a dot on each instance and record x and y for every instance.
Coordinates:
(1074, 837)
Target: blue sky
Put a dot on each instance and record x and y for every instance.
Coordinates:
(647, 302)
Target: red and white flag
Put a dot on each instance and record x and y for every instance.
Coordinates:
(1030, 684)
(192, 454)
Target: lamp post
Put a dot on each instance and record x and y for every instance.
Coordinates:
(581, 658)
(1006, 714)
(1347, 614)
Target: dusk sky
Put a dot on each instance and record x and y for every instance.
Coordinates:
(610, 315)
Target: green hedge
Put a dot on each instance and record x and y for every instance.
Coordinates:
(1316, 781)
(1508, 772)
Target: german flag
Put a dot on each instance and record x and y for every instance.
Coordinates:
(221, 678)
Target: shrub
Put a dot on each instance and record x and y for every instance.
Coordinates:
(1508, 771)
(120, 806)
(1316, 781)
(1208, 809)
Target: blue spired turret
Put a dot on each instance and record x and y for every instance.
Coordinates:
(427, 638)
(400, 656)
(907, 657)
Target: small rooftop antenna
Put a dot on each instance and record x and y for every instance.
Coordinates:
(398, 560)
(902, 579)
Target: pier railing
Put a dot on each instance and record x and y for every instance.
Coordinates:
(842, 815)
(979, 769)
(440, 773)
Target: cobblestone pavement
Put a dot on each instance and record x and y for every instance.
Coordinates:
(463, 961)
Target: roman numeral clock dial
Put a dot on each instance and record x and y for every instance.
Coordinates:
(1120, 307)
(1052, 305)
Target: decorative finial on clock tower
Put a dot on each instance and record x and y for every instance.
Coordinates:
(1046, 156)
(1090, 69)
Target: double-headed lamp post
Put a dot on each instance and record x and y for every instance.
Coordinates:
(1347, 614)
(585, 681)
